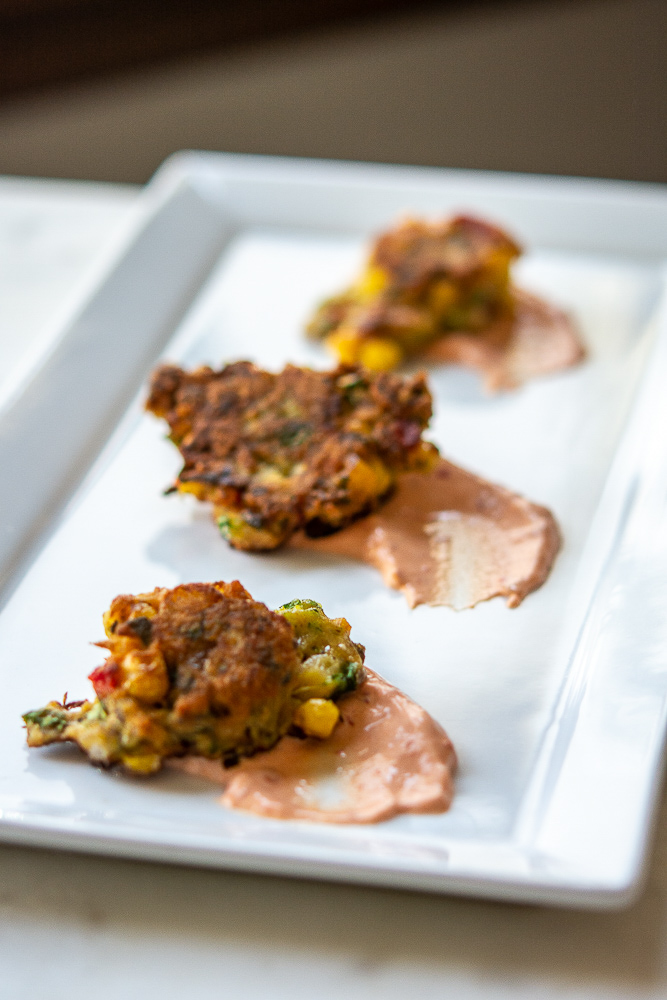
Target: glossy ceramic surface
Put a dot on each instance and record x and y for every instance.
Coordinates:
(556, 708)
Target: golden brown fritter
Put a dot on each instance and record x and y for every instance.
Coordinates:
(422, 280)
(204, 669)
(300, 449)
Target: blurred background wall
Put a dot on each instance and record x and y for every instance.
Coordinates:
(105, 89)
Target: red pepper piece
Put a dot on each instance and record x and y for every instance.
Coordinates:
(105, 678)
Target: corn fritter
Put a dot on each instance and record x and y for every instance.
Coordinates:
(300, 449)
(422, 281)
(204, 669)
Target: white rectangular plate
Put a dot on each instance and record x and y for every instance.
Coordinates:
(557, 709)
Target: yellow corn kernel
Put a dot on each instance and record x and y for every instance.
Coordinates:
(317, 717)
(373, 281)
(498, 262)
(315, 679)
(425, 457)
(125, 607)
(366, 480)
(142, 763)
(270, 475)
(200, 490)
(380, 354)
(442, 296)
(123, 645)
(145, 675)
(344, 343)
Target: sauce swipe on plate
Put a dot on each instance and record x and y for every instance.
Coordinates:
(542, 340)
(386, 756)
(448, 537)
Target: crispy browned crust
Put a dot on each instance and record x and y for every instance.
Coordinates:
(225, 653)
(227, 662)
(297, 449)
(416, 252)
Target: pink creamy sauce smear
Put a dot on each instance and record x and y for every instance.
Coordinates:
(542, 340)
(448, 537)
(386, 756)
